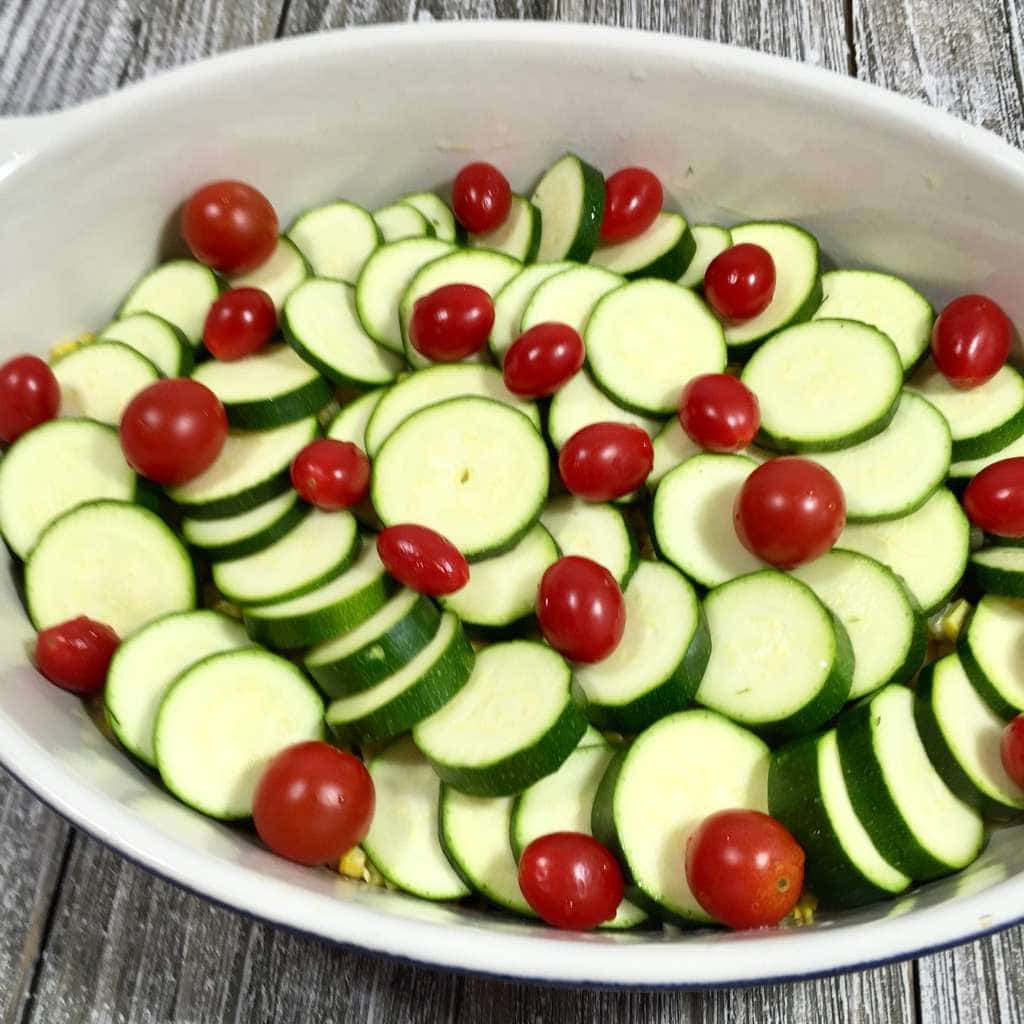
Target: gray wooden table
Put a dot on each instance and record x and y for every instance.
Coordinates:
(85, 936)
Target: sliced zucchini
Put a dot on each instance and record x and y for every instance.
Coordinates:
(377, 648)
(251, 469)
(385, 279)
(116, 562)
(148, 662)
(418, 689)
(563, 802)
(511, 302)
(962, 736)
(438, 384)
(475, 838)
(403, 842)
(916, 823)
(321, 324)
(482, 498)
(982, 420)
(581, 402)
(163, 344)
(267, 389)
(330, 609)
(224, 719)
(647, 339)
(887, 630)
(797, 282)
(279, 276)
(221, 540)
(503, 589)
(999, 570)
(436, 210)
(660, 659)
(664, 250)
(824, 385)
(517, 236)
(401, 220)
(989, 646)
(692, 518)
(515, 721)
(594, 531)
(659, 790)
(318, 549)
(927, 549)
(336, 239)
(180, 292)
(488, 270)
(570, 197)
(53, 468)
(904, 315)
(569, 297)
(781, 663)
(807, 793)
(895, 472)
(350, 423)
(710, 241)
(98, 381)
(672, 447)
(967, 468)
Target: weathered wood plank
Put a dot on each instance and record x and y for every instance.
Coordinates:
(56, 52)
(32, 844)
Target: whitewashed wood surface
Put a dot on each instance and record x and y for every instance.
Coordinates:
(87, 937)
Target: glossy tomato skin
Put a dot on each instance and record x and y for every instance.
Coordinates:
(240, 322)
(994, 499)
(75, 655)
(452, 322)
(422, 559)
(971, 340)
(580, 609)
(632, 201)
(29, 395)
(744, 868)
(542, 359)
(1012, 750)
(571, 881)
(740, 282)
(230, 226)
(173, 430)
(789, 511)
(603, 461)
(313, 803)
(719, 412)
(481, 197)
(331, 474)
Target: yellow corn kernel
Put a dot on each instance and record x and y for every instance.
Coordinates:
(803, 912)
(62, 348)
(353, 863)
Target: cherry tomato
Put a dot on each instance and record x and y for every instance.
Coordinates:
(230, 226)
(239, 323)
(331, 474)
(606, 460)
(789, 511)
(580, 609)
(719, 412)
(75, 655)
(29, 395)
(542, 359)
(740, 282)
(1012, 750)
(971, 340)
(173, 430)
(452, 322)
(994, 499)
(313, 803)
(744, 868)
(481, 197)
(421, 559)
(571, 880)
(632, 202)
